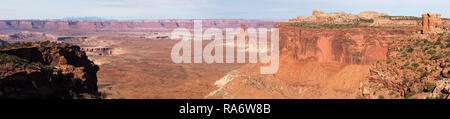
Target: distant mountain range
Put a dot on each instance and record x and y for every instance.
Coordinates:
(87, 19)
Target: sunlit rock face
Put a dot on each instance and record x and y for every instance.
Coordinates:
(342, 46)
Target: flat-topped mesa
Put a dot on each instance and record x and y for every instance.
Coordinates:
(317, 13)
(363, 19)
(132, 25)
(371, 14)
(26, 36)
(337, 17)
(431, 22)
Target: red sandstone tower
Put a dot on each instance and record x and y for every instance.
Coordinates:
(430, 22)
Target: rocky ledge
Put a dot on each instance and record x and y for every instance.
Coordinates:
(46, 70)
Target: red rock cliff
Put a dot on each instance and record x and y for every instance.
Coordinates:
(46, 70)
(42, 25)
(342, 46)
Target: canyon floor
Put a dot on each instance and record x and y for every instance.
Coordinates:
(144, 69)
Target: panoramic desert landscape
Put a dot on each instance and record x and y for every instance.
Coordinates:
(337, 55)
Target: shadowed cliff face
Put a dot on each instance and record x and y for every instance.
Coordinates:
(46, 70)
(341, 46)
(3, 42)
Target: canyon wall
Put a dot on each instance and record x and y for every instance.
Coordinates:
(342, 46)
(103, 51)
(315, 63)
(25, 36)
(41, 25)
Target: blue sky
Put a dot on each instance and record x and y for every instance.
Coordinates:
(209, 9)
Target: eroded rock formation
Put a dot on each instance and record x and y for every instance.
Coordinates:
(46, 70)
(431, 22)
(342, 46)
(315, 63)
(365, 18)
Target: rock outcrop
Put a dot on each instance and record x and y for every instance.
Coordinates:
(46, 70)
(416, 67)
(431, 22)
(342, 46)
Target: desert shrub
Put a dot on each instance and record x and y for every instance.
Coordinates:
(405, 81)
(442, 46)
(410, 68)
(438, 42)
(45, 43)
(416, 80)
(9, 58)
(366, 20)
(388, 61)
(442, 65)
(420, 70)
(406, 64)
(424, 74)
(409, 49)
(3, 56)
(431, 52)
(415, 64)
(391, 93)
(32, 67)
(425, 41)
(428, 87)
(404, 54)
(425, 49)
(435, 57)
(439, 77)
(409, 94)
